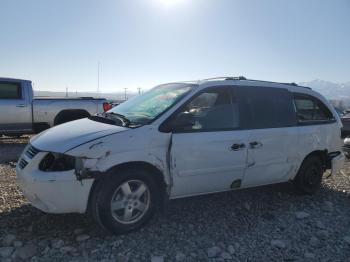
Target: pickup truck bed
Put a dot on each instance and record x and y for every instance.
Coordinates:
(22, 113)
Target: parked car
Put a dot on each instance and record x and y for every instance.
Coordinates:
(179, 140)
(22, 113)
(345, 119)
(346, 147)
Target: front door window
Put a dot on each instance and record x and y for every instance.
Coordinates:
(212, 110)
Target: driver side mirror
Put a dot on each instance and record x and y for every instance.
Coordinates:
(181, 122)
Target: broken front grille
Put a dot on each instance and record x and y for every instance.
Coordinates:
(27, 156)
(22, 163)
(31, 152)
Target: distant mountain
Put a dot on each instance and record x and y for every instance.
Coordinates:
(330, 90)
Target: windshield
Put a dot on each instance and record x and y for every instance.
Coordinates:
(142, 109)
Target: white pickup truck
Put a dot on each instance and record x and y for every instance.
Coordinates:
(21, 113)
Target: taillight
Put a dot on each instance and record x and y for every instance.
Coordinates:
(106, 106)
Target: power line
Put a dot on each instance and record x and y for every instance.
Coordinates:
(125, 97)
(98, 79)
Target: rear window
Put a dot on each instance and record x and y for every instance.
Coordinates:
(266, 107)
(10, 90)
(311, 109)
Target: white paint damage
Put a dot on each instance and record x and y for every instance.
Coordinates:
(53, 192)
(69, 135)
(183, 160)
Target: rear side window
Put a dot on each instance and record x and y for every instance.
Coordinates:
(10, 90)
(266, 107)
(311, 109)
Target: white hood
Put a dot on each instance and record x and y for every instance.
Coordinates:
(64, 137)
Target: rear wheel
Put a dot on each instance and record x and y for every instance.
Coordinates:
(309, 177)
(125, 201)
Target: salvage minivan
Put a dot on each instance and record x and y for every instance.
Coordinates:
(178, 140)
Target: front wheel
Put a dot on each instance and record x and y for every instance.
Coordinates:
(125, 201)
(309, 177)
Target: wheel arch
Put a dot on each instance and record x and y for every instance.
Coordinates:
(69, 115)
(322, 155)
(142, 165)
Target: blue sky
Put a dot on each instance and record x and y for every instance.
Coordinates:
(141, 43)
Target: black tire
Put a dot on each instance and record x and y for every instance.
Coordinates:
(105, 190)
(309, 177)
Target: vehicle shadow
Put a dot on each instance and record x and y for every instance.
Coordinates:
(237, 212)
(246, 210)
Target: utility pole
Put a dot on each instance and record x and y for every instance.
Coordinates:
(66, 91)
(125, 97)
(139, 88)
(98, 79)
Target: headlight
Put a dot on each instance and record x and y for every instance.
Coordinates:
(57, 162)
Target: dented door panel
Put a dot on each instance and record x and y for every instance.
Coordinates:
(138, 145)
(205, 162)
(274, 158)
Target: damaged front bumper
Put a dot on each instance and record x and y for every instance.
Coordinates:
(52, 192)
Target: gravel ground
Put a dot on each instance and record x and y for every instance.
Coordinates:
(272, 223)
(10, 147)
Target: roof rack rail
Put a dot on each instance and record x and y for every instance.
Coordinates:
(291, 84)
(225, 78)
(254, 80)
(236, 78)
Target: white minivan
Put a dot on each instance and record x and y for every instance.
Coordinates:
(178, 140)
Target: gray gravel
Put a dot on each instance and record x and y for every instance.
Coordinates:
(10, 148)
(273, 223)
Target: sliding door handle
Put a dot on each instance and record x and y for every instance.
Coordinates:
(236, 147)
(21, 105)
(255, 144)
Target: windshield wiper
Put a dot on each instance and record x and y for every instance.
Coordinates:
(122, 118)
(99, 118)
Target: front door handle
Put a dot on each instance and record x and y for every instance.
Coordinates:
(21, 105)
(255, 144)
(236, 147)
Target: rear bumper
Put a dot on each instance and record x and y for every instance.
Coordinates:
(346, 147)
